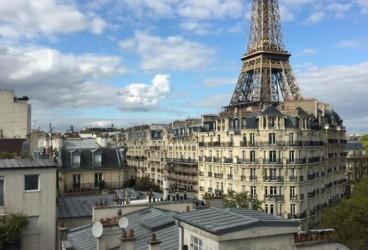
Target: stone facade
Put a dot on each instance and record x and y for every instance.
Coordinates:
(290, 157)
(38, 205)
(15, 116)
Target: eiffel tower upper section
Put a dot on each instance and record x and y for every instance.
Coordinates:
(266, 75)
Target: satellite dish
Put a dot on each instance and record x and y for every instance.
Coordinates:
(123, 222)
(97, 229)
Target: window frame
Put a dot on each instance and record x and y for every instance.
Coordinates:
(38, 183)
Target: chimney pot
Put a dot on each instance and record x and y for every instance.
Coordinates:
(131, 233)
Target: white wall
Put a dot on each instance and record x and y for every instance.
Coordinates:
(15, 116)
(40, 203)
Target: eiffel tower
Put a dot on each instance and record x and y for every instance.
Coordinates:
(266, 75)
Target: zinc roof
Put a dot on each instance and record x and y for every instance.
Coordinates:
(221, 221)
(80, 206)
(168, 233)
(26, 163)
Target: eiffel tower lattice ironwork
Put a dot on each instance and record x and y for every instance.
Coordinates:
(266, 75)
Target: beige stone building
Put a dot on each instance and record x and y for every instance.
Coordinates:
(86, 165)
(290, 157)
(15, 115)
(166, 151)
(147, 150)
(29, 187)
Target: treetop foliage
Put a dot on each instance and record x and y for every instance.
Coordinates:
(350, 218)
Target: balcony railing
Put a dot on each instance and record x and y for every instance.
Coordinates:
(219, 176)
(273, 178)
(268, 161)
(253, 178)
(276, 197)
(209, 174)
(230, 176)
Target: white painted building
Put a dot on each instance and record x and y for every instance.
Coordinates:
(29, 187)
(15, 115)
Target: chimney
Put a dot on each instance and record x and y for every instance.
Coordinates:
(154, 244)
(62, 234)
(166, 187)
(127, 241)
(101, 244)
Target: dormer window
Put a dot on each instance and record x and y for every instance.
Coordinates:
(76, 159)
(97, 159)
(271, 122)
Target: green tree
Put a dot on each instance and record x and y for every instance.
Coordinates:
(350, 218)
(6, 155)
(145, 184)
(11, 229)
(241, 200)
(364, 140)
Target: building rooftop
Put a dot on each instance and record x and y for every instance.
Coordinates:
(81, 206)
(353, 146)
(26, 163)
(221, 221)
(88, 143)
(143, 222)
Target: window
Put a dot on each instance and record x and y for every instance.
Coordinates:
(292, 209)
(292, 192)
(273, 191)
(272, 139)
(252, 156)
(31, 183)
(252, 139)
(2, 191)
(97, 159)
(266, 209)
(271, 122)
(196, 243)
(273, 174)
(253, 174)
(272, 156)
(98, 179)
(292, 156)
(76, 181)
(253, 191)
(32, 225)
(243, 155)
(291, 138)
(271, 209)
(76, 160)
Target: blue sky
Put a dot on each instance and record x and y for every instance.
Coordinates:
(93, 63)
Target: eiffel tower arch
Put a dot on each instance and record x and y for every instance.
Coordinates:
(266, 75)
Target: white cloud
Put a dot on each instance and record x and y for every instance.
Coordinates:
(211, 9)
(170, 53)
(364, 5)
(53, 79)
(307, 52)
(31, 18)
(339, 9)
(199, 28)
(344, 86)
(316, 17)
(360, 43)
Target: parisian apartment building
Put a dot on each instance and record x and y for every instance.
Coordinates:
(283, 149)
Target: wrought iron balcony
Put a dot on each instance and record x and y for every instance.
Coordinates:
(219, 176)
(273, 178)
(275, 197)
